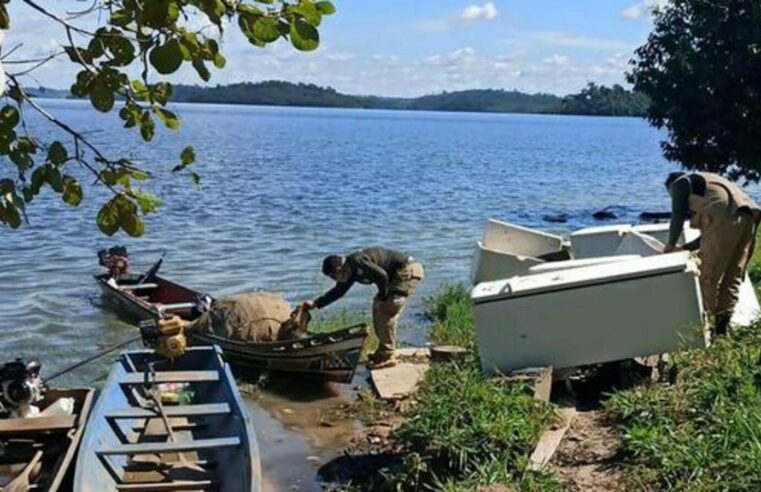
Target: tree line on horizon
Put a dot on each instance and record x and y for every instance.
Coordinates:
(594, 99)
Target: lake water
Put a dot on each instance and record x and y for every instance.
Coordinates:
(282, 187)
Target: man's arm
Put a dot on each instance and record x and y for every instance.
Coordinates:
(680, 206)
(333, 294)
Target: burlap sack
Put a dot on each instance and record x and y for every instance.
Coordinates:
(255, 317)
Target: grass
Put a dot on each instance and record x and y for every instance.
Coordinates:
(467, 430)
(704, 432)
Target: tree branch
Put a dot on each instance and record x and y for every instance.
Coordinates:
(59, 20)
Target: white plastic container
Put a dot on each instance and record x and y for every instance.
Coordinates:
(593, 242)
(508, 250)
(590, 314)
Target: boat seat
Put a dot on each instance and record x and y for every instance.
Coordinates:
(168, 447)
(176, 411)
(37, 424)
(139, 287)
(175, 307)
(172, 377)
(177, 485)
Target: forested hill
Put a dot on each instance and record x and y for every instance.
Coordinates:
(593, 100)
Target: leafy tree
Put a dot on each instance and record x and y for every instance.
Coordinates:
(701, 68)
(598, 100)
(152, 38)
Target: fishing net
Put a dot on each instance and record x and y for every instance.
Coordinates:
(254, 317)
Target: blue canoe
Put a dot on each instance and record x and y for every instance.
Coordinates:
(134, 443)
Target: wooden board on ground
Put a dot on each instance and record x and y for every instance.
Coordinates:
(400, 381)
(539, 377)
(550, 440)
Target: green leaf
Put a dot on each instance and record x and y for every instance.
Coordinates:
(304, 36)
(139, 175)
(108, 218)
(9, 118)
(203, 72)
(101, 96)
(78, 55)
(121, 48)
(72, 191)
(170, 119)
(219, 61)
(166, 58)
(249, 9)
(308, 10)
(10, 215)
(162, 92)
(121, 17)
(188, 155)
(22, 159)
(133, 225)
(265, 30)
(39, 176)
(147, 127)
(325, 8)
(147, 202)
(196, 179)
(54, 179)
(5, 20)
(57, 153)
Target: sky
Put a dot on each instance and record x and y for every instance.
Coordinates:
(414, 47)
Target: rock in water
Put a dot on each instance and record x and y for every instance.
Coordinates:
(253, 317)
(604, 214)
(559, 218)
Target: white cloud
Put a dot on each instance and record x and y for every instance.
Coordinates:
(557, 60)
(473, 13)
(571, 40)
(642, 9)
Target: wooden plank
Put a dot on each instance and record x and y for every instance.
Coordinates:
(37, 424)
(168, 447)
(160, 486)
(399, 381)
(172, 377)
(550, 440)
(171, 411)
(137, 287)
(540, 378)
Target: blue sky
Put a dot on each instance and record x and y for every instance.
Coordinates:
(415, 47)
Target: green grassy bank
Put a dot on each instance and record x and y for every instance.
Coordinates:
(466, 430)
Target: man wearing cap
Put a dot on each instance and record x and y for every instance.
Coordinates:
(395, 274)
(727, 219)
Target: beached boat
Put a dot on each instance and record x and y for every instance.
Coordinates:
(329, 356)
(38, 452)
(169, 425)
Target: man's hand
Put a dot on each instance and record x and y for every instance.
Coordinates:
(671, 248)
(308, 304)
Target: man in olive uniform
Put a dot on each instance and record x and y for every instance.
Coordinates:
(727, 219)
(396, 275)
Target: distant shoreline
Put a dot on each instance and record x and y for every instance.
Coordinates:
(592, 101)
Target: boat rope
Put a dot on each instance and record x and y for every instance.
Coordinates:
(93, 357)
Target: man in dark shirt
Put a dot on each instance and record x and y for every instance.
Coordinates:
(396, 275)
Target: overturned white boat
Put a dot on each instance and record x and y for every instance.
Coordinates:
(617, 299)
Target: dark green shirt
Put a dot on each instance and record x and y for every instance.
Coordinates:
(368, 266)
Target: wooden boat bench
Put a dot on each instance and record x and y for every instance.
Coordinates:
(138, 286)
(161, 486)
(169, 447)
(179, 306)
(172, 377)
(37, 424)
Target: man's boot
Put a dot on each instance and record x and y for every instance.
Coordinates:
(721, 324)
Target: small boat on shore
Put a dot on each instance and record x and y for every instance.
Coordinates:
(37, 452)
(328, 356)
(169, 425)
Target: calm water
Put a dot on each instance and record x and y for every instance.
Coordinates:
(283, 186)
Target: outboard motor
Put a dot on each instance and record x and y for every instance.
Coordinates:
(20, 386)
(116, 260)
